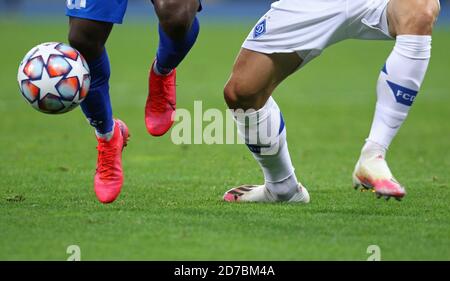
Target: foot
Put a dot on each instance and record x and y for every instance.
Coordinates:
(161, 102)
(259, 193)
(109, 174)
(374, 174)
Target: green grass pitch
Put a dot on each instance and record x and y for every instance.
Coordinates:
(171, 208)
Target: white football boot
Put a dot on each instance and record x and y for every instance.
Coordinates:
(373, 174)
(259, 193)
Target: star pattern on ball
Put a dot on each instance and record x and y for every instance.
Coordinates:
(77, 69)
(21, 76)
(45, 51)
(47, 84)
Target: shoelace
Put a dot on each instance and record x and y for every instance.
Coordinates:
(105, 161)
(159, 100)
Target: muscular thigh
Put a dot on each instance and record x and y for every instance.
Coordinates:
(412, 16)
(255, 75)
(167, 9)
(161, 5)
(176, 16)
(88, 36)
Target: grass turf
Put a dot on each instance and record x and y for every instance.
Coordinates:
(171, 208)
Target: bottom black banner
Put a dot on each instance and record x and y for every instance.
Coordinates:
(206, 270)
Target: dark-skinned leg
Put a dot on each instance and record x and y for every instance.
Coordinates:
(178, 30)
(176, 16)
(89, 38)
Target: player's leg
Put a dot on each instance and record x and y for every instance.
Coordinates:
(89, 37)
(178, 31)
(411, 23)
(248, 93)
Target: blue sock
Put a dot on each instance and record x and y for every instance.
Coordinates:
(170, 52)
(97, 105)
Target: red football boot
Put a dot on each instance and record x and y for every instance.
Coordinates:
(109, 174)
(161, 102)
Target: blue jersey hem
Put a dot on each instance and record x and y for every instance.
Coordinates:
(88, 17)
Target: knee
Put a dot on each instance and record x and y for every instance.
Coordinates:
(426, 15)
(86, 44)
(176, 16)
(238, 95)
(419, 19)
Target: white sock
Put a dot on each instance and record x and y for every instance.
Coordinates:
(372, 149)
(108, 136)
(285, 189)
(398, 85)
(264, 133)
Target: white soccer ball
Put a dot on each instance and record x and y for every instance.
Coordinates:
(54, 78)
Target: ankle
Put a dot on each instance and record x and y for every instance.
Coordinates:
(159, 70)
(372, 149)
(284, 189)
(105, 136)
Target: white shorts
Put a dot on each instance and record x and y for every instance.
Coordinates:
(309, 26)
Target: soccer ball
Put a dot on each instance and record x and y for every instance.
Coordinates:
(54, 78)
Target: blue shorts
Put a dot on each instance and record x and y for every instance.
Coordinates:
(100, 10)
